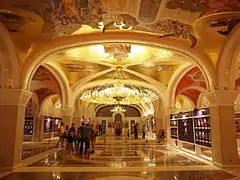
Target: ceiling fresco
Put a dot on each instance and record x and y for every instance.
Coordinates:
(64, 17)
(43, 94)
(192, 23)
(192, 94)
(47, 79)
(193, 78)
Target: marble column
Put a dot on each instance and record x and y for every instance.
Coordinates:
(167, 113)
(37, 129)
(12, 110)
(67, 115)
(42, 127)
(223, 128)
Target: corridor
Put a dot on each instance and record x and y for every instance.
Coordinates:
(116, 157)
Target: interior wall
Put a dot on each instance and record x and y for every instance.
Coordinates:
(106, 111)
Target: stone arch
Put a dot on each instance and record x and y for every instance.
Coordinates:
(226, 71)
(9, 65)
(33, 106)
(195, 84)
(187, 99)
(178, 75)
(39, 54)
(63, 83)
(45, 100)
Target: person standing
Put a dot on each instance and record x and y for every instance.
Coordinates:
(143, 131)
(74, 132)
(61, 132)
(85, 138)
(93, 138)
(70, 140)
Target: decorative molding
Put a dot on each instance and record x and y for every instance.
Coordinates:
(14, 97)
(222, 97)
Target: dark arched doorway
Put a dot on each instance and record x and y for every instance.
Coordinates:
(118, 124)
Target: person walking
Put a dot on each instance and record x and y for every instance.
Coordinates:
(61, 132)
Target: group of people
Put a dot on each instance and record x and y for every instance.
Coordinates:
(77, 138)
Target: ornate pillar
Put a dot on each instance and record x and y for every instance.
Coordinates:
(67, 115)
(37, 128)
(12, 109)
(167, 113)
(223, 128)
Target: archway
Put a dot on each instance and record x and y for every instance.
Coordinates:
(118, 124)
(9, 65)
(41, 54)
(227, 63)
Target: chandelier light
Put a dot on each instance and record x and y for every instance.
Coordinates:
(119, 89)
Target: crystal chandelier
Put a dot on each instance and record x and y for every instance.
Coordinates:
(119, 89)
(118, 109)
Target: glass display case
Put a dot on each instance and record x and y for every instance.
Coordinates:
(51, 124)
(174, 127)
(202, 127)
(29, 126)
(153, 124)
(192, 127)
(185, 127)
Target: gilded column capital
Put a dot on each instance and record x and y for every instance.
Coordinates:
(13, 97)
(222, 97)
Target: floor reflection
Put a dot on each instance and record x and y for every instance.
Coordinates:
(163, 175)
(127, 155)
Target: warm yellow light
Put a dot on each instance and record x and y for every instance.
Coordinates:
(100, 50)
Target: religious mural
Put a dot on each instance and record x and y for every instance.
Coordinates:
(193, 78)
(149, 10)
(43, 93)
(220, 6)
(64, 17)
(45, 77)
(12, 21)
(195, 6)
(171, 28)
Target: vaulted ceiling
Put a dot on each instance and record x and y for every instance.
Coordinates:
(199, 24)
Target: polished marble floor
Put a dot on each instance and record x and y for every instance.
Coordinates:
(117, 158)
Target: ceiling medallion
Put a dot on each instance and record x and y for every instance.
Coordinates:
(119, 90)
(118, 51)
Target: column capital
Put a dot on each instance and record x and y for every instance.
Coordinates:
(14, 97)
(67, 111)
(222, 97)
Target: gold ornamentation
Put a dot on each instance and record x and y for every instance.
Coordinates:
(116, 91)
